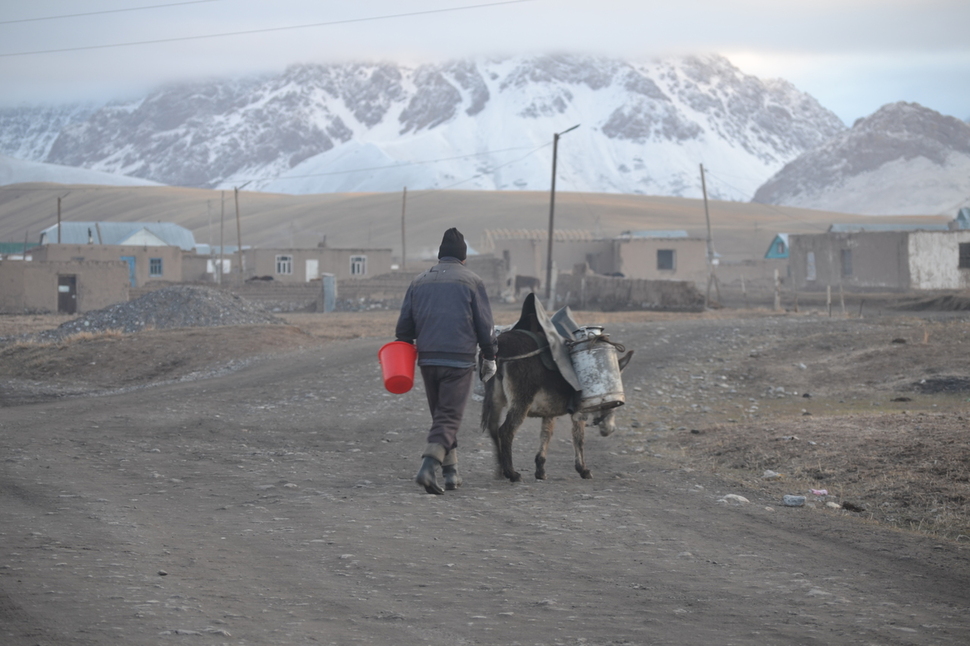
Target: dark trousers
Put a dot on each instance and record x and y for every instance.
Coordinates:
(447, 390)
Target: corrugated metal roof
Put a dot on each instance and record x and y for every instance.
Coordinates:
(490, 236)
(15, 247)
(538, 234)
(658, 233)
(114, 233)
(858, 228)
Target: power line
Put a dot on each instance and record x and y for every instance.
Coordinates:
(476, 176)
(339, 172)
(768, 206)
(264, 30)
(98, 13)
(356, 170)
(398, 165)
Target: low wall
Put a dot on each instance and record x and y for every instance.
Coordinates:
(606, 293)
(385, 291)
(386, 287)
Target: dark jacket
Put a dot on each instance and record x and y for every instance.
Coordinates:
(446, 312)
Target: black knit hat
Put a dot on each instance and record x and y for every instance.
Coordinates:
(453, 244)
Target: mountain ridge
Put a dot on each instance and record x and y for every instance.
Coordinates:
(904, 159)
(312, 128)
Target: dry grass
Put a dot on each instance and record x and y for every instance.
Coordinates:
(906, 470)
(77, 337)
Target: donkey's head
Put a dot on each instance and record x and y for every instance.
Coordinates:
(605, 419)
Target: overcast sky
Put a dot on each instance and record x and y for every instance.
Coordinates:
(852, 55)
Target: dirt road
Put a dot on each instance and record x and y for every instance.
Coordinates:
(275, 505)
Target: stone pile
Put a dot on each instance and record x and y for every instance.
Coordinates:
(169, 307)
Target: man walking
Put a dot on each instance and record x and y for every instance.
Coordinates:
(447, 314)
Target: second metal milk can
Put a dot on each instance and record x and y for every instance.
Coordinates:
(595, 361)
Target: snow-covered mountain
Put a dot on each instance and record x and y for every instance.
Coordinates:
(469, 124)
(18, 171)
(904, 159)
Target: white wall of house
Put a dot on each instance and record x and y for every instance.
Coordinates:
(934, 258)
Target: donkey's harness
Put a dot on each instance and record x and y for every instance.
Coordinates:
(540, 340)
(543, 344)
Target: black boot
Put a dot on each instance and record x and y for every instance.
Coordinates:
(433, 456)
(449, 469)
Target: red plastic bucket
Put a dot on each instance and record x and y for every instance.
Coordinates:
(397, 366)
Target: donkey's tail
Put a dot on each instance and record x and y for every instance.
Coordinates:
(489, 408)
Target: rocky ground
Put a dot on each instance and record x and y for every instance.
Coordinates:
(251, 484)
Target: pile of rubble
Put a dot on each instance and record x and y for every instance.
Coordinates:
(170, 307)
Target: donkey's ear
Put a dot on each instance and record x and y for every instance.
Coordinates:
(625, 359)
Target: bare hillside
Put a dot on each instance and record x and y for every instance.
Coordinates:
(741, 230)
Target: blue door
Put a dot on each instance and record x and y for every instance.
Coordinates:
(131, 268)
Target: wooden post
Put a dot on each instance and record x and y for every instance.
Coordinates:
(828, 298)
(58, 220)
(242, 261)
(710, 243)
(744, 292)
(404, 245)
(842, 299)
(712, 277)
(777, 292)
(222, 238)
(552, 211)
(26, 236)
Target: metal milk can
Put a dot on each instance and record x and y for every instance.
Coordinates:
(594, 359)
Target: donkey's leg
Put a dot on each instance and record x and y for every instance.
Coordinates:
(545, 435)
(491, 424)
(493, 409)
(579, 438)
(506, 433)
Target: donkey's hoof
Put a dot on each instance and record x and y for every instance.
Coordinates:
(515, 476)
(585, 474)
(540, 475)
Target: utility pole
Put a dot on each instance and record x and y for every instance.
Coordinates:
(711, 261)
(404, 246)
(242, 258)
(222, 244)
(552, 211)
(58, 220)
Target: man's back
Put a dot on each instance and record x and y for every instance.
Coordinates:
(446, 311)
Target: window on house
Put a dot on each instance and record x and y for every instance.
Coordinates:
(665, 259)
(810, 266)
(284, 265)
(847, 262)
(154, 266)
(964, 262)
(358, 265)
(780, 248)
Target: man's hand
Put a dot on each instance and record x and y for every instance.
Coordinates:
(488, 369)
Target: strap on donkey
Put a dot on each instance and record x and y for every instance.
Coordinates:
(556, 331)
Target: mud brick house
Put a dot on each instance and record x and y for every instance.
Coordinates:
(305, 265)
(68, 287)
(646, 255)
(882, 258)
(152, 251)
